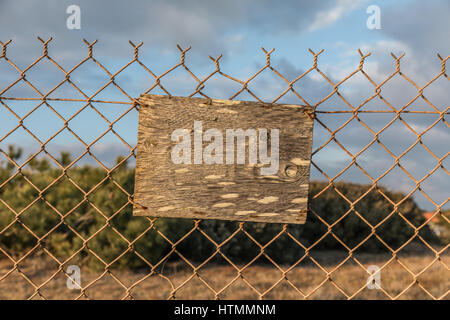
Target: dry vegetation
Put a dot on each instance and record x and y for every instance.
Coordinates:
(305, 277)
(335, 276)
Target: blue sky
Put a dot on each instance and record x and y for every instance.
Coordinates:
(237, 30)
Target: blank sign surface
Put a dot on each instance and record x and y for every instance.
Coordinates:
(222, 159)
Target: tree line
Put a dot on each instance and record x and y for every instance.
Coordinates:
(86, 203)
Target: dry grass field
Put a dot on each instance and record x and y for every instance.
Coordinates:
(256, 279)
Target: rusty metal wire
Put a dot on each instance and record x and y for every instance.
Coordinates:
(133, 104)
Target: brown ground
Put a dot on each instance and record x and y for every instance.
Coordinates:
(350, 277)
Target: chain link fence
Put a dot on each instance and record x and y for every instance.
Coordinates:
(117, 263)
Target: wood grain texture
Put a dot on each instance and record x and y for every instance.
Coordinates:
(221, 191)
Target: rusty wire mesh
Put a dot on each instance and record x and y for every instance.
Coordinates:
(17, 265)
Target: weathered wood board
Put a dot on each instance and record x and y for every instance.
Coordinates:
(182, 170)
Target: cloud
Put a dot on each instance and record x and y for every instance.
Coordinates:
(206, 25)
(420, 25)
(329, 16)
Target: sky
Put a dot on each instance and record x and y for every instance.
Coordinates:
(237, 30)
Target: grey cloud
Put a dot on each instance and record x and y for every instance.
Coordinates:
(422, 25)
(161, 24)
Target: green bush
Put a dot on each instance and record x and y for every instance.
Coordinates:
(86, 203)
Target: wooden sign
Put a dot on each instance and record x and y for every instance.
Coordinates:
(228, 160)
